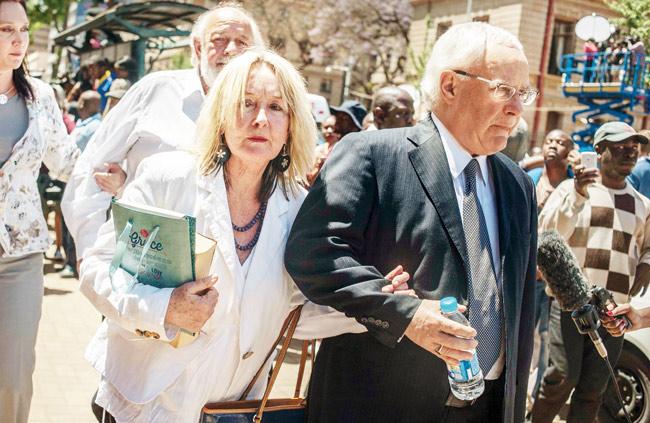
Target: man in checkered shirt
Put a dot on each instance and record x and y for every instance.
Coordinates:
(606, 222)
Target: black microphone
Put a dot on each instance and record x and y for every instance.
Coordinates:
(586, 319)
(561, 272)
(565, 280)
(568, 285)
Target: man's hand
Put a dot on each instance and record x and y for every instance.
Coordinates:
(192, 304)
(399, 282)
(584, 177)
(442, 337)
(112, 179)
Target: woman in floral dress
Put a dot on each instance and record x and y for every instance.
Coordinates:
(31, 131)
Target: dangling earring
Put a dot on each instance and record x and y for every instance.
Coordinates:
(283, 160)
(223, 154)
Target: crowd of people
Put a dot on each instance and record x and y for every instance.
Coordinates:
(366, 231)
(617, 59)
(84, 100)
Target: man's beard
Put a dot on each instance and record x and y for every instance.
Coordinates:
(208, 71)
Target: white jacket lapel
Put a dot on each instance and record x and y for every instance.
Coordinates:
(213, 217)
(266, 275)
(274, 229)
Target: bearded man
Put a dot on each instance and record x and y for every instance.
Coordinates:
(157, 114)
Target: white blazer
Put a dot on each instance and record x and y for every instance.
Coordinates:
(246, 320)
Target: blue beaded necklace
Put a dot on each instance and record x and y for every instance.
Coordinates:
(259, 216)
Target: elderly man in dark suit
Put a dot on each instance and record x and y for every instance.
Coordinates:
(439, 199)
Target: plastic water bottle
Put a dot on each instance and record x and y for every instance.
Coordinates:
(465, 379)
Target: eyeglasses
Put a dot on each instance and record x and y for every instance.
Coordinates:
(502, 91)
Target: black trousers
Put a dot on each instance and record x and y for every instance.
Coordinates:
(487, 408)
(101, 415)
(574, 363)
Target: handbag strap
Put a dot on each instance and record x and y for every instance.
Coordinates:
(292, 319)
(257, 418)
(301, 368)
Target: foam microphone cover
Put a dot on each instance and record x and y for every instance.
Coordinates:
(561, 272)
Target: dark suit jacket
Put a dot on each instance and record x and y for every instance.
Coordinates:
(386, 198)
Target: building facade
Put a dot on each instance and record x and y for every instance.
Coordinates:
(546, 30)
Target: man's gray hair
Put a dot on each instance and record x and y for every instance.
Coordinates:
(463, 45)
(203, 21)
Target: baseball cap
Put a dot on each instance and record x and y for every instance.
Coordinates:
(118, 88)
(617, 132)
(354, 109)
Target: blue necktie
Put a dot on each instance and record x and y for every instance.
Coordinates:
(483, 291)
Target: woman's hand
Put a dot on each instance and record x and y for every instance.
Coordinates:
(192, 304)
(112, 179)
(637, 317)
(399, 282)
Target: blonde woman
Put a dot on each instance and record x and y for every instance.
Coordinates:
(256, 140)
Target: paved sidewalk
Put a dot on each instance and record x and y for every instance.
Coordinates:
(64, 382)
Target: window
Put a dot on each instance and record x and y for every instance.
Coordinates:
(326, 86)
(553, 121)
(563, 42)
(484, 18)
(442, 28)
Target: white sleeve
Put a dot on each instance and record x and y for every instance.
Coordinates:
(84, 204)
(143, 307)
(61, 152)
(561, 210)
(318, 321)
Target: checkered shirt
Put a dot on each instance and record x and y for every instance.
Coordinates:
(609, 232)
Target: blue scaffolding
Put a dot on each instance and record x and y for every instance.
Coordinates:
(609, 88)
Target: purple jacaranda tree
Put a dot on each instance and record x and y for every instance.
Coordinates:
(370, 35)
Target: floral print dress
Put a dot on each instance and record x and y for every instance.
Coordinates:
(23, 229)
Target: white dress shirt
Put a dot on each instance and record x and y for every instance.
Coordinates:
(458, 158)
(157, 114)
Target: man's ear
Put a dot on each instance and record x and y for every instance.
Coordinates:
(197, 48)
(448, 85)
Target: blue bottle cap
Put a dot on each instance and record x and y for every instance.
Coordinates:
(448, 305)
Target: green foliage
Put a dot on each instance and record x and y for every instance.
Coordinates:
(419, 61)
(635, 16)
(181, 60)
(48, 12)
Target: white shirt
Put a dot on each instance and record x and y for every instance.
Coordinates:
(157, 114)
(458, 158)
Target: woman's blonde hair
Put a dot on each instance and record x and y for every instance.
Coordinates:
(226, 101)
